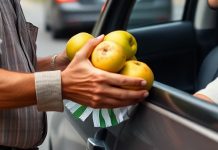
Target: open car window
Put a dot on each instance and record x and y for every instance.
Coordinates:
(150, 12)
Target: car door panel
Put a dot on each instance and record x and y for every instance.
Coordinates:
(171, 119)
(87, 130)
(155, 128)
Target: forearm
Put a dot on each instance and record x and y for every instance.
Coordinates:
(17, 89)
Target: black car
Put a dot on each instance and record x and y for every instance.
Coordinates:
(183, 56)
(72, 16)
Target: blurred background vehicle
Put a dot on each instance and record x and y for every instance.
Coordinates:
(71, 16)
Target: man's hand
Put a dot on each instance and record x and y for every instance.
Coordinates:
(203, 97)
(87, 85)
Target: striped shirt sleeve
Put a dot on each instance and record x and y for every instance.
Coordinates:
(48, 91)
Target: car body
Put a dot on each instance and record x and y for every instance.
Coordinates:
(62, 16)
(170, 118)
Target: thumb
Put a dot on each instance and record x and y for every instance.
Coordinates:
(87, 49)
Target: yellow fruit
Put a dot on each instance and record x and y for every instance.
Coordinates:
(76, 42)
(108, 56)
(139, 69)
(125, 39)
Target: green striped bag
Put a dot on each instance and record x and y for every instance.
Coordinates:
(101, 117)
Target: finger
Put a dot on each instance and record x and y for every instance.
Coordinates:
(116, 103)
(122, 94)
(103, 101)
(87, 49)
(122, 80)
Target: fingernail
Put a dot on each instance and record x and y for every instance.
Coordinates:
(146, 94)
(143, 83)
(100, 36)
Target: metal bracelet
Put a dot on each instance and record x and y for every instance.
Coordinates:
(53, 58)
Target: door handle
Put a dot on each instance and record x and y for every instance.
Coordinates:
(95, 144)
(98, 142)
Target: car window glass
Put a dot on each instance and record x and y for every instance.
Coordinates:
(149, 12)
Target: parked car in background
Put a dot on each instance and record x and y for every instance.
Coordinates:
(62, 16)
(72, 16)
(181, 55)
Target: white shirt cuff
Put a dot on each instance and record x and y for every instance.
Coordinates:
(211, 91)
(48, 91)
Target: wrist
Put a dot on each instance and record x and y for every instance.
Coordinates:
(64, 85)
(59, 62)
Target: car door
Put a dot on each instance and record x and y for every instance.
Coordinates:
(174, 50)
(172, 119)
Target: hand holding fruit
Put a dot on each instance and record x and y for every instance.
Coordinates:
(90, 86)
(110, 55)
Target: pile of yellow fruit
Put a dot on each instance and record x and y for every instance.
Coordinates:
(116, 53)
